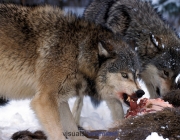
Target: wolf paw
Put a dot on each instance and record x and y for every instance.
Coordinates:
(27, 135)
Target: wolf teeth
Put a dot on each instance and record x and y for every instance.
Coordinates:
(128, 99)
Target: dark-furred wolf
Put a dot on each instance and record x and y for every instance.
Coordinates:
(49, 57)
(155, 42)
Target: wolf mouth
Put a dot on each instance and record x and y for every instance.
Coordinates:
(158, 91)
(127, 98)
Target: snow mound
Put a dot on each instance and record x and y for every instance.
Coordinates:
(155, 136)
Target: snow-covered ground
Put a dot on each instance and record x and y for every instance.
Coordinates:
(17, 115)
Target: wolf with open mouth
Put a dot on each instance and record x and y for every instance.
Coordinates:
(49, 56)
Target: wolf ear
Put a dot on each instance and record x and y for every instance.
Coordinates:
(118, 22)
(102, 51)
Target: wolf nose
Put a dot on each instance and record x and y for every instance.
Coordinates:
(140, 93)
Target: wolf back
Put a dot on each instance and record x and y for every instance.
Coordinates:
(49, 56)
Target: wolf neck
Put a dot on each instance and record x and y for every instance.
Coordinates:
(87, 59)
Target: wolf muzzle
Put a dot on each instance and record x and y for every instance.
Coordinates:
(139, 93)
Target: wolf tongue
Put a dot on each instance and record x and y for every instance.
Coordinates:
(133, 105)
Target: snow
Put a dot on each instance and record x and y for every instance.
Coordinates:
(155, 136)
(17, 115)
(166, 3)
(163, 46)
(78, 10)
(90, 116)
(154, 40)
(177, 78)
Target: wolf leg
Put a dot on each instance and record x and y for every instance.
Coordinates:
(46, 108)
(116, 109)
(76, 111)
(69, 126)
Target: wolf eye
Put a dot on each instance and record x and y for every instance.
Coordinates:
(166, 73)
(124, 75)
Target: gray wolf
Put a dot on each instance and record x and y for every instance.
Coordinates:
(49, 57)
(156, 44)
(152, 38)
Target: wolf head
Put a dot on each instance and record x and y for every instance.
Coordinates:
(157, 46)
(160, 73)
(117, 77)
